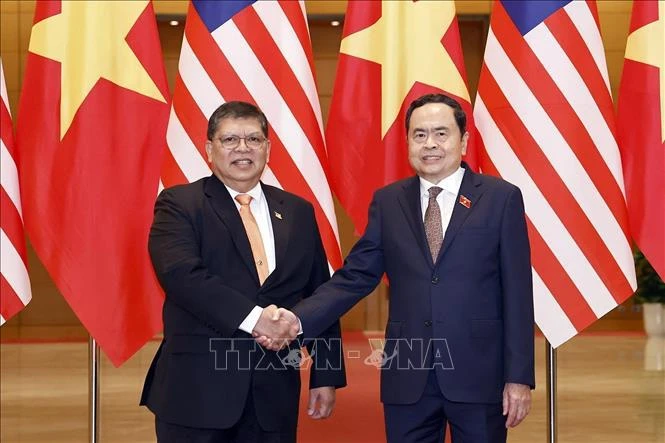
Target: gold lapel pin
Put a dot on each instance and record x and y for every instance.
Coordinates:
(278, 215)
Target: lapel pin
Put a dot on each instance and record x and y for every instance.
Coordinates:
(278, 215)
(465, 202)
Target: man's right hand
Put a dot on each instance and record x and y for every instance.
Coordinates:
(276, 328)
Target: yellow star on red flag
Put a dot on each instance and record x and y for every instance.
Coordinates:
(647, 45)
(406, 42)
(89, 40)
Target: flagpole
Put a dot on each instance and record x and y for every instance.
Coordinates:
(550, 357)
(93, 391)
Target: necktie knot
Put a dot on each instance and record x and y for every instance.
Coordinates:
(244, 199)
(434, 191)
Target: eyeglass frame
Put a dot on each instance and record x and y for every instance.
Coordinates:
(256, 148)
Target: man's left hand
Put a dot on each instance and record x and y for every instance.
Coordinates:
(516, 403)
(321, 402)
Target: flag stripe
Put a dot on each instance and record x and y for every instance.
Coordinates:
(270, 178)
(552, 274)
(193, 70)
(545, 117)
(191, 117)
(9, 176)
(585, 107)
(171, 172)
(14, 269)
(295, 53)
(15, 290)
(555, 276)
(549, 316)
(562, 120)
(289, 176)
(12, 224)
(552, 141)
(10, 302)
(6, 134)
(546, 178)
(585, 19)
(286, 83)
(543, 217)
(296, 14)
(184, 152)
(5, 98)
(573, 45)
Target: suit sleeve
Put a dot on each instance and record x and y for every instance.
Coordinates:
(326, 350)
(517, 291)
(174, 250)
(362, 271)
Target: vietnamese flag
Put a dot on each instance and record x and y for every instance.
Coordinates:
(641, 129)
(90, 134)
(392, 52)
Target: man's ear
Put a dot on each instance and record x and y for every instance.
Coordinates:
(465, 140)
(209, 150)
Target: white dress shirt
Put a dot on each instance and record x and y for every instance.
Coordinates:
(259, 207)
(446, 198)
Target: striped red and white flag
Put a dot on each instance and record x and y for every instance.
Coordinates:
(15, 290)
(258, 52)
(544, 112)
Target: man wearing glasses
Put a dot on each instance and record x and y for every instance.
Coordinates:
(227, 250)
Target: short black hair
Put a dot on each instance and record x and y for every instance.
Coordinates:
(236, 109)
(460, 115)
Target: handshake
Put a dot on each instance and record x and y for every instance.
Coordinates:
(276, 328)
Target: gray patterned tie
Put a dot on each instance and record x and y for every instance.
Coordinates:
(433, 226)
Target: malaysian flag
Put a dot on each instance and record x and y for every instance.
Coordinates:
(258, 52)
(15, 290)
(545, 116)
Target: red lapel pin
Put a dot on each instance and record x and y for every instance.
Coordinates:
(464, 202)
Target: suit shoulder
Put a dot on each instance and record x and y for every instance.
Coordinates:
(395, 187)
(496, 183)
(289, 198)
(184, 190)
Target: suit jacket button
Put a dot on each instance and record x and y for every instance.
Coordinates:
(428, 323)
(435, 280)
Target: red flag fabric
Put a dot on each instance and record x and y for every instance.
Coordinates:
(392, 52)
(15, 290)
(91, 125)
(545, 117)
(258, 52)
(641, 129)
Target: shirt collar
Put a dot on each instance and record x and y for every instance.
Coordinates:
(450, 184)
(256, 192)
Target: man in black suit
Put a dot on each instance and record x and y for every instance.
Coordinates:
(459, 339)
(227, 249)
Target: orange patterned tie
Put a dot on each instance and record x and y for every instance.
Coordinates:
(254, 236)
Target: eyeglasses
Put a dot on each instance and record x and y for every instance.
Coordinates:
(230, 142)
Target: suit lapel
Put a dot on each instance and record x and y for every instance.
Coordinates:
(223, 205)
(410, 202)
(471, 188)
(281, 223)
